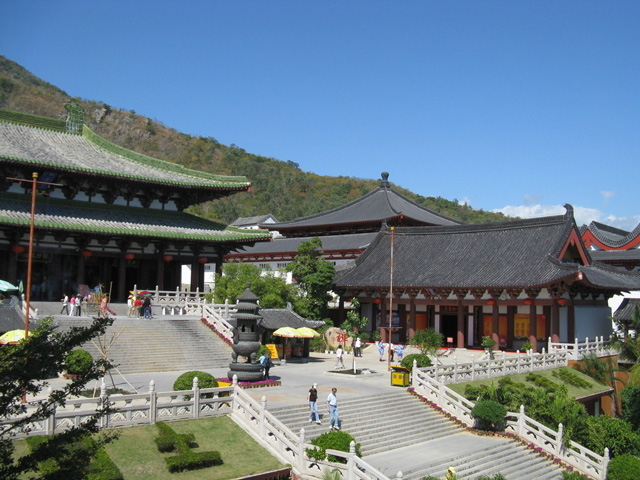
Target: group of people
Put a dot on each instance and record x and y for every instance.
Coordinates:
(140, 307)
(332, 406)
(398, 350)
(72, 306)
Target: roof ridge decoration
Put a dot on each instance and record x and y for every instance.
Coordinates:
(33, 121)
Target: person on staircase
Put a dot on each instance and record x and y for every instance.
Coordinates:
(332, 405)
(312, 397)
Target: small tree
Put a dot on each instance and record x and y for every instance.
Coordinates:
(428, 340)
(354, 324)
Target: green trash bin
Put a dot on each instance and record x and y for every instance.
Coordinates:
(400, 377)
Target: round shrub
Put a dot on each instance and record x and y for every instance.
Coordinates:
(334, 440)
(489, 414)
(421, 359)
(623, 467)
(185, 381)
(78, 362)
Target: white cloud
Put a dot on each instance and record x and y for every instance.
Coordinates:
(464, 201)
(582, 215)
(606, 196)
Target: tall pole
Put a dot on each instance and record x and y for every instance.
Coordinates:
(390, 301)
(34, 183)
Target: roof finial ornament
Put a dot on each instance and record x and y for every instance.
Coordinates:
(385, 179)
(569, 212)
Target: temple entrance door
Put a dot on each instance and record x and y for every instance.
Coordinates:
(449, 327)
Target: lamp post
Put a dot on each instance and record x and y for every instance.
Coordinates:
(34, 184)
(390, 301)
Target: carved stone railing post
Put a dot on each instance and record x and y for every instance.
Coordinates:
(104, 400)
(263, 426)
(196, 398)
(558, 445)
(301, 454)
(50, 424)
(350, 460)
(153, 402)
(521, 421)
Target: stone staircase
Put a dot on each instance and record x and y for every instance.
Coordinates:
(157, 345)
(398, 432)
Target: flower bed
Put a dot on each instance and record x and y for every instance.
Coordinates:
(224, 382)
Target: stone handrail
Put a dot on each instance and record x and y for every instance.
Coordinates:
(539, 437)
(497, 367)
(216, 317)
(289, 447)
(577, 350)
(131, 409)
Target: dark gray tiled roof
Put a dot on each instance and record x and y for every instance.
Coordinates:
(274, 318)
(243, 221)
(626, 308)
(611, 236)
(76, 216)
(519, 253)
(329, 243)
(94, 155)
(615, 255)
(375, 207)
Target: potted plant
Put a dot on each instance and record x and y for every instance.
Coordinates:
(488, 343)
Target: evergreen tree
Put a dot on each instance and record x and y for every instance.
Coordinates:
(313, 276)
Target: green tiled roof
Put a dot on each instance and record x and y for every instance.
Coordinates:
(83, 217)
(41, 141)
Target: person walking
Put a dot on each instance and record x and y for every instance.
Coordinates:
(332, 405)
(399, 353)
(356, 347)
(265, 361)
(146, 307)
(65, 305)
(72, 306)
(312, 397)
(339, 353)
(381, 350)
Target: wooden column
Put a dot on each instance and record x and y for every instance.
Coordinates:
(384, 325)
(412, 316)
(122, 279)
(511, 315)
(571, 320)
(533, 326)
(462, 311)
(555, 321)
(160, 275)
(495, 326)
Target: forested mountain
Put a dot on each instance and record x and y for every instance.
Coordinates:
(278, 187)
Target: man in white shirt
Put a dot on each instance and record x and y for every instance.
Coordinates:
(332, 405)
(339, 353)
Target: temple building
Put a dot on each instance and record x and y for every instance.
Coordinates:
(516, 281)
(104, 215)
(345, 231)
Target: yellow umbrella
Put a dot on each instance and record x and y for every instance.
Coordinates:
(288, 332)
(12, 336)
(306, 332)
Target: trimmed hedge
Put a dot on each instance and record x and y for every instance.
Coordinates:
(421, 359)
(186, 459)
(489, 414)
(78, 362)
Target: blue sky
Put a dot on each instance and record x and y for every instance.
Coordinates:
(517, 106)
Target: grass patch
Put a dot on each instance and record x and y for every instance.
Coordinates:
(573, 391)
(136, 455)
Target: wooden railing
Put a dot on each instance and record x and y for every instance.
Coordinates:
(539, 437)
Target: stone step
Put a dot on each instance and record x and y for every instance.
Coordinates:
(163, 344)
